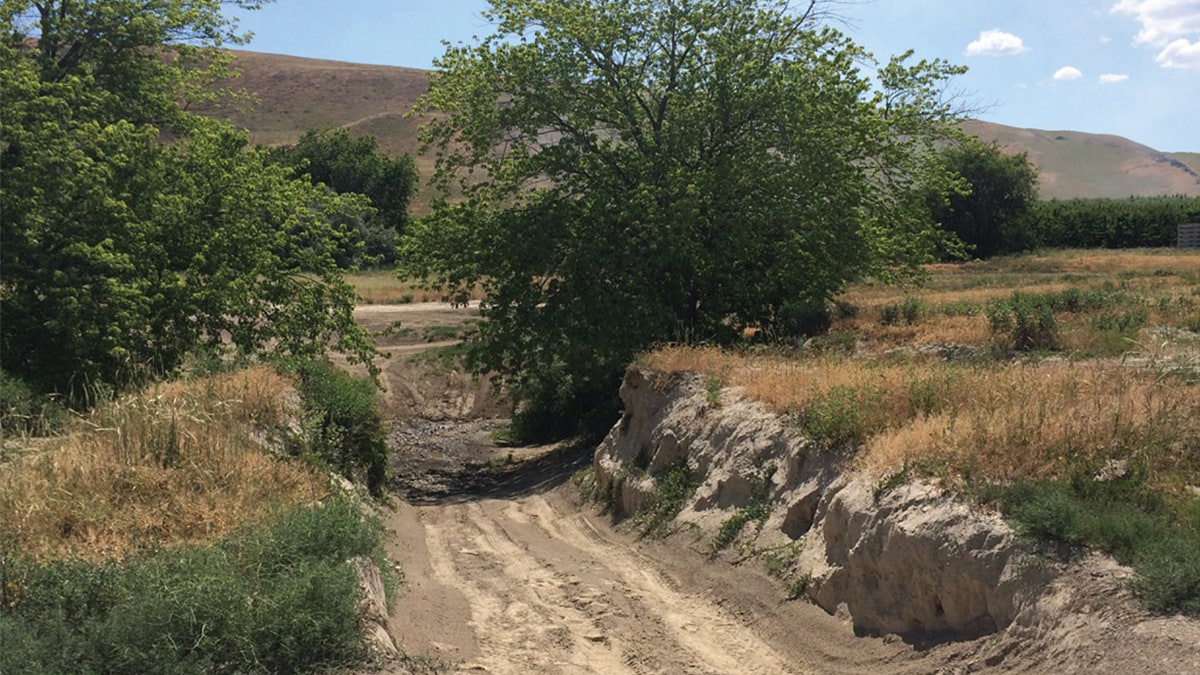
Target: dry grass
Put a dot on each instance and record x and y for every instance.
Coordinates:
(1108, 395)
(179, 462)
(1002, 422)
(382, 287)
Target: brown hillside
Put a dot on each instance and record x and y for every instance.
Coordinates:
(1077, 164)
(296, 94)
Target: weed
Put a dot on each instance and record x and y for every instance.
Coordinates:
(1123, 517)
(907, 311)
(779, 560)
(1027, 321)
(712, 389)
(673, 487)
(345, 428)
(796, 586)
(584, 480)
(843, 416)
(755, 510)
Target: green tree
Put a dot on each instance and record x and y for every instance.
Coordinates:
(348, 164)
(641, 171)
(134, 232)
(996, 215)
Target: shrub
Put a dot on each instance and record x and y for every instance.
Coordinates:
(278, 598)
(1026, 320)
(907, 311)
(345, 427)
(1123, 517)
(24, 412)
(843, 416)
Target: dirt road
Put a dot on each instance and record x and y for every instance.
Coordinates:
(534, 584)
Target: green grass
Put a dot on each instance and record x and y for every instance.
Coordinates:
(276, 598)
(1159, 536)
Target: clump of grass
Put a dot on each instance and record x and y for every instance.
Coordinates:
(1026, 321)
(906, 311)
(673, 487)
(276, 597)
(178, 462)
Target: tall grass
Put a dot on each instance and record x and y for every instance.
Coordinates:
(179, 462)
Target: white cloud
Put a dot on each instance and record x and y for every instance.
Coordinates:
(996, 43)
(1113, 78)
(1068, 73)
(1104, 39)
(1163, 21)
(1180, 54)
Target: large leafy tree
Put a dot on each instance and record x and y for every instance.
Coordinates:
(134, 232)
(354, 164)
(996, 214)
(636, 171)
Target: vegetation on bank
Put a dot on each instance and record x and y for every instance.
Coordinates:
(191, 527)
(1090, 435)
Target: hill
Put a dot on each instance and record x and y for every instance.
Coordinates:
(296, 94)
(1078, 164)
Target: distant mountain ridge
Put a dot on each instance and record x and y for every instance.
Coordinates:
(296, 94)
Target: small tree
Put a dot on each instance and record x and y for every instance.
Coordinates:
(644, 171)
(996, 215)
(348, 164)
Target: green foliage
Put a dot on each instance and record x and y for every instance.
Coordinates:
(993, 216)
(755, 510)
(845, 416)
(278, 598)
(345, 429)
(736, 179)
(123, 252)
(672, 488)
(907, 311)
(1113, 223)
(1125, 518)
(24, 412)
(1026, 320)
(347, 164)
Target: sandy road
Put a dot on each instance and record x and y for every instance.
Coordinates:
(535, 584)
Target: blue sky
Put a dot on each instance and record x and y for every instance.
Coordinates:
(1125, 67)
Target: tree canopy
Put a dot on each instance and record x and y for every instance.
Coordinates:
(354, 164)
(135, 232)
(637, 171)
(995, 215)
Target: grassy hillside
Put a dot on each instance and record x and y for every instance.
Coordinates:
(296, 94)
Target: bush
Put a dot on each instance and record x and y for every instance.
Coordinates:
(1124, 518)
(345, 428)
(1113, 223)
(279, 598)
(1026, 320)
(24, 412)
(843, 416)
(674, 485)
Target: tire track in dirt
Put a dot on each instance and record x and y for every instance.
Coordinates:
(549, 595)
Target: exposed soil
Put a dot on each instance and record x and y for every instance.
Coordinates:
(507, 571)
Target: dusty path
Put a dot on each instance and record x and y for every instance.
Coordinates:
(537, 584)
